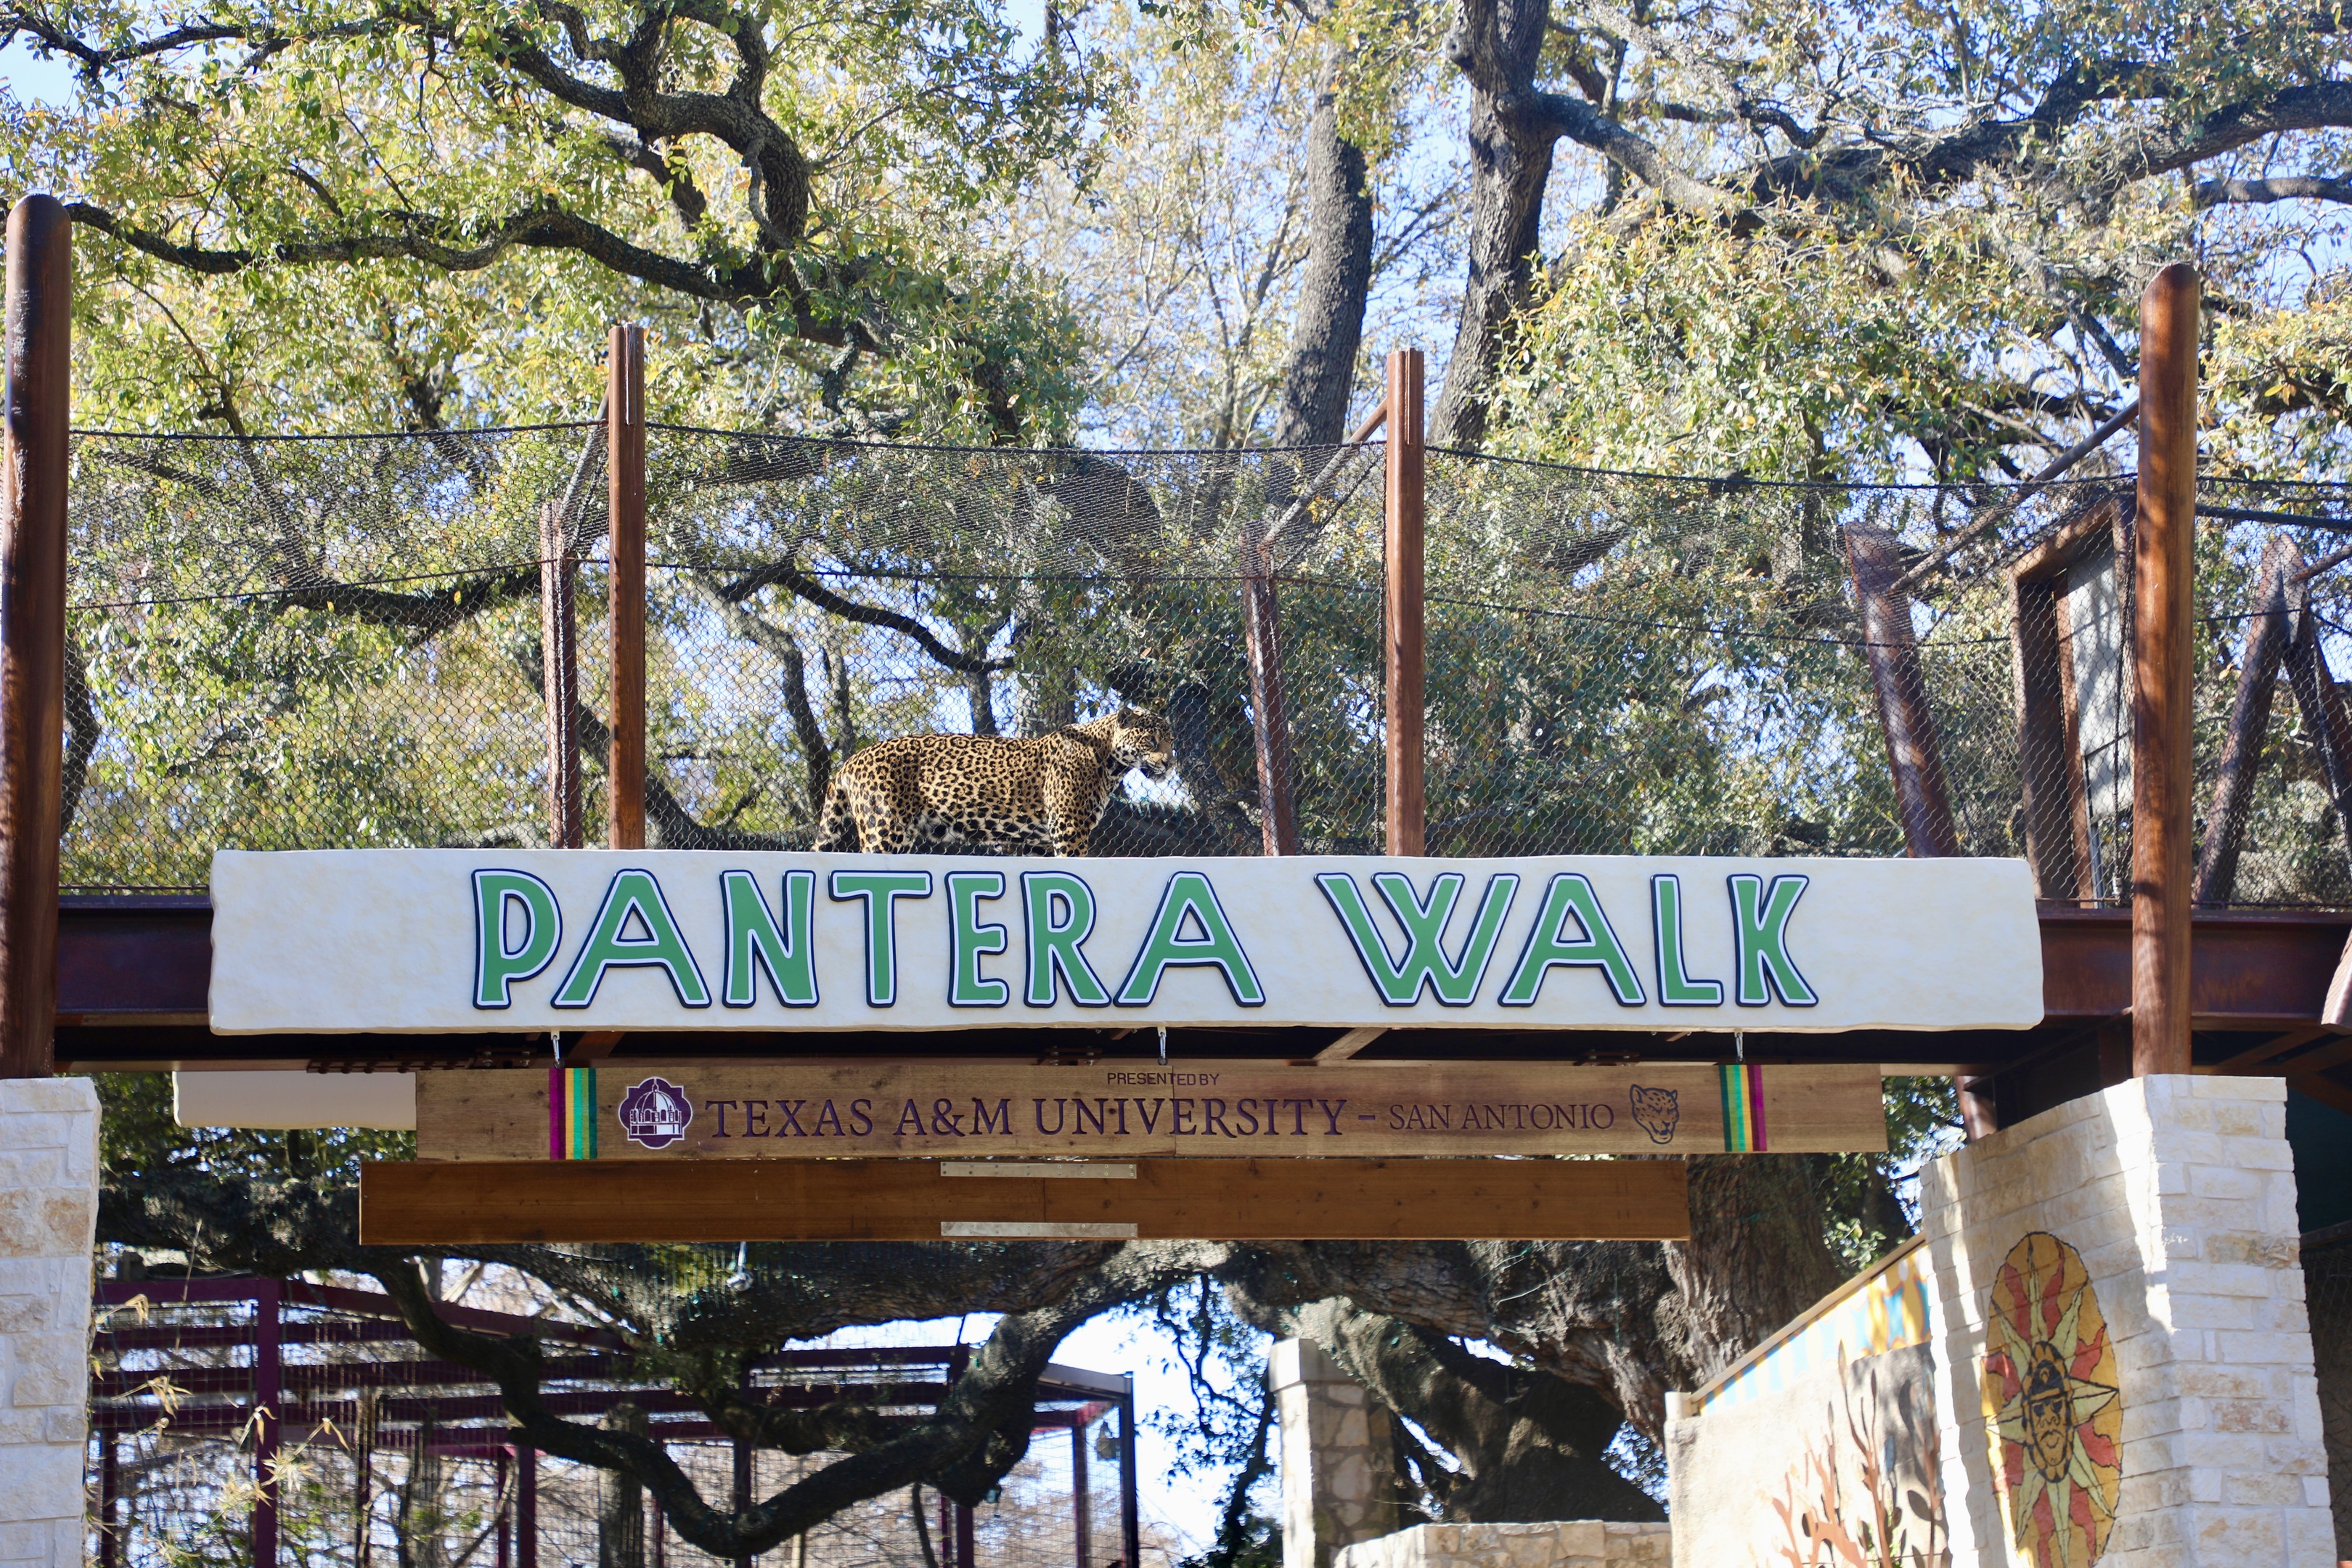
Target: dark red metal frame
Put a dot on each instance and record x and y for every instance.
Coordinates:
(269, 1398)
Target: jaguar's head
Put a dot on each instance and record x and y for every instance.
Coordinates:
(1141, 738)
(1657, 1111)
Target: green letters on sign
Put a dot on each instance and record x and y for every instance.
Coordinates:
(497, 967)
(1676, 986)
(881, 891)
(755, 942)
(1398, 981)
(1570, 897)
(633, 896)
(1759, 923)
(1190, 897)
(967, 987)
(1053, 945)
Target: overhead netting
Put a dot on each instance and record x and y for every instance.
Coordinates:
(305, 643)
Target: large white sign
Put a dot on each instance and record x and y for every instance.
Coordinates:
(427, 941)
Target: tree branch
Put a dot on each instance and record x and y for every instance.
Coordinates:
(788, 575)
(1637, 155)
(976, 1434)
(467, 246)
(2284, 188)
(815, 754)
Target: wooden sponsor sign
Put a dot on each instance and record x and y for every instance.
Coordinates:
(668, 1111)
(425, 941)
(428, 1204)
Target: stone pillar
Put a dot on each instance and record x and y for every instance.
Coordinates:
(2119, 1328)
(48, 1225)
(1338, 1456)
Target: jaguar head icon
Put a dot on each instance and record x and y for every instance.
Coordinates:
(1657, 1110)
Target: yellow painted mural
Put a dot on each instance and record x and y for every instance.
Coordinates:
(2053, 1405)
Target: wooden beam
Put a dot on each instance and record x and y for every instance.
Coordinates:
(1980, 1101)
(673, 1109)
(1892, 651)
(592, 1046)
(625, 457)
(2048, 767)
(425, 1203)
(1269, 713)
(1348, 1044)
(2250, 1061)
(2049, 739)
(1403, 623)
(2264, 646)
(2321, 706)
(2321, 1059)
(2163, 715)
(558, 665)
(2326, 1090)
(33, 468)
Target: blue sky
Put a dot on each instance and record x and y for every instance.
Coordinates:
(34, 81)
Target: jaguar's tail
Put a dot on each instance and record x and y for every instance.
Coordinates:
(836, 829)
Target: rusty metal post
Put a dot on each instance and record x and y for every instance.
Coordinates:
(2162, 776)
(1402, 622)
(1892, 650)
(1277, 813)
(625, 457)
(559, 644)
(504, 1524)
(743, 1493)
(110, 1498)
(526, 1513)
(1081, 1516)
(1130, 1515)
(39, 392)
(267, 1419)
(2267, 633)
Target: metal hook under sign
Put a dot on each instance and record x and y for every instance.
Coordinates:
(1163, 1045)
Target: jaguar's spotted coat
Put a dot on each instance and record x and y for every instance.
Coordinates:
(1041, 794)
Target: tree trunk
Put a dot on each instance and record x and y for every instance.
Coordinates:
(1631, 1320)
(1497, 45)
(1530, 1443)
(1329, 328)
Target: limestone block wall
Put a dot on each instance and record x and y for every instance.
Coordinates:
(2120, 1336)
(1338, 1456)
(48, 1220)
(1568, 1543)
(1821, 1444)
(2096, 1351)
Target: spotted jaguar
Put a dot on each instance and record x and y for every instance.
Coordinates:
(1040, 794)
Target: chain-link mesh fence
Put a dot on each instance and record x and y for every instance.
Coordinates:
(293, 643)
(387, 1458)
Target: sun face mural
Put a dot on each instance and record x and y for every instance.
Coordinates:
(2052, 1401)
